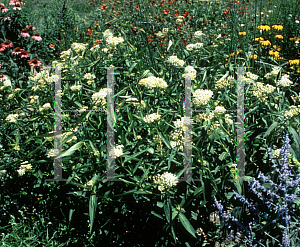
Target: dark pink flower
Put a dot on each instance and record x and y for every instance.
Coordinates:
(36, 37)
(2, 47)
(7, 44)
(24, 33)
(17, 51)
(6, 18)
(34, 62)
(24, 54)
(17, 7)
(3, 9)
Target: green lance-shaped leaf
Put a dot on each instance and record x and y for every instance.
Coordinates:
(187, 225)
(92, 210)
(72, 149)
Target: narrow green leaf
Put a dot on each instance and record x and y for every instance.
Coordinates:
(157, 215)
(72, 149)
(269, 130)
(92, 210)
(187, 225)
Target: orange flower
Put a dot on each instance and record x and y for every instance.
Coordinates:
(185, 14)
(91, 3)
(166, 11)
(103, 6)
(51, 46)
(98, 41)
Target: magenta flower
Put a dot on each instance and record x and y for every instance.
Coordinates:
(2, 47)
(36, 37)
(34, 62)
(7, 44)
(24, 54)
(17, 7)
(24, 33)
(3, 9)
(17, 51)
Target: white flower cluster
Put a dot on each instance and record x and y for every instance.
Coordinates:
(23, 168)
(274, 72)
(12, 118)
(179, 20)
(198, 34)
(191, 47)
(52, 153)
(76, 87)
(114, 41)
(224, 82)
(174, 60)
(116, 152)
(284, 81)
(89, 76)
(45, 107)
(65, 54)
(152, 82)
(251, 76)
(99, 97)
(66, 134)
(152, 117)
(220, 110)
(191, 72)
(177, 135)
(261, 90)
(105, 50)
(78, 47)
(107, 33)
(202, 96)
(43, 79)
(6, 82)
(135, 102)
(293, 111)
(228, 119)
(33, 99)
(165, 181)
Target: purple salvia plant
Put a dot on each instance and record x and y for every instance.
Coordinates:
(283, 207)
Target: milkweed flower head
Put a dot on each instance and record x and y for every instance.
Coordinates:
(198, 34)
(12, 118)
(52, 153)
(196, 46)
(99, 97)
(284, 81)
(174, 60)
(153, 82)
(178, 135)
(107, 33)
(151, 118)
(78, 47)
(165, 181)
(261, 91)
(114, 41)
(116, 152)
(191, 73)
(202, 96)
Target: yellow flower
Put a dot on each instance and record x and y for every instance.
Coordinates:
(258, 39)
(265, 43)
(271, 52)
(276, 47)
(298, 70)
(277, 27)
(278, 36)
(253, 57)
(292, 39)
(264, 28)
(242, 33)
(295, 61)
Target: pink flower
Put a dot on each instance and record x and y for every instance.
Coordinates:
(36, 37)
(30, 27)
(7, 44)
(14, 2)
(3, 77)
(17, 51)
(24, 54)
(6, 18)
(17, 7)
(24, 33)
(3, 9)
(34, 62)
(2, 47)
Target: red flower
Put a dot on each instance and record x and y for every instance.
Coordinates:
(98, 41)
(137, 7)
(34, 62)
(184, 41)
(103, 6)
(91, 3)
(51, 46)
(185, 14)
(203, 24)
(166, 11)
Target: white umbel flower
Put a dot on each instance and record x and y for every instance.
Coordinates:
(202, 96)
(174, 60)
(284, 81)
(12, 118)
(165, 181)
(198, 34)
(116, 152)
(152, 82)
(151, 118)
(52, 153)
